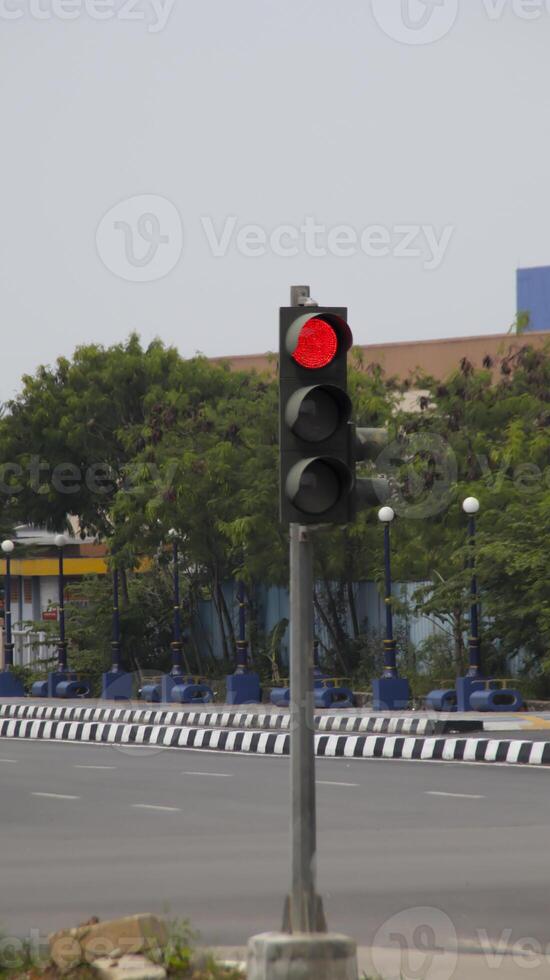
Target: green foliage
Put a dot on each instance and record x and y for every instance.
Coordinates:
(160, 442)
(182, 962)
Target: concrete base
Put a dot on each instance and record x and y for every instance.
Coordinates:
(161, 693)
(390, 694)
(332, 697)
(10, 685)
(319, 956)
(48, 688)
(465, 687)
(192, 694)
(280, 697)
(243, 689)
(443, 700)
(116, 686)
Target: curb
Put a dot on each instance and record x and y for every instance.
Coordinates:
(271, 743)
(230, 719)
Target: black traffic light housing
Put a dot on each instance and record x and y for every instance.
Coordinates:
(316, 448)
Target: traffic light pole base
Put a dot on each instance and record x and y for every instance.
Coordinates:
(390, 694)
(116, 685)
(302, 956)
(243, 689)
(10, 685)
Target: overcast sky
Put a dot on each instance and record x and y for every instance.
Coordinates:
(174, 167)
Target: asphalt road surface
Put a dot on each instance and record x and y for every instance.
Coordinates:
(100, 830)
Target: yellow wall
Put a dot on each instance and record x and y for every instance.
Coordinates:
(50, 566)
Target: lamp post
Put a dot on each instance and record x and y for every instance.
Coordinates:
(389, 692)
(386, 516)
(242, 645)
(8, 547)
(176, 645)
(116, 683)
(243, 686)
(60, 543)
(471, 507)
(115, 645)
(10, 685)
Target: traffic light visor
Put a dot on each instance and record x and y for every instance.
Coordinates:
(314, 340)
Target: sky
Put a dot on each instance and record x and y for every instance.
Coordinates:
(172, 167)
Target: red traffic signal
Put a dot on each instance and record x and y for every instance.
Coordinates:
(315, 339)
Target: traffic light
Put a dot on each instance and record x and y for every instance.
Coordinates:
(316, 440)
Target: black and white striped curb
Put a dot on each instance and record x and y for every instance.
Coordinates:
(273, 743)
(273, 721)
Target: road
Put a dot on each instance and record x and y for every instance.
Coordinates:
(216, 852)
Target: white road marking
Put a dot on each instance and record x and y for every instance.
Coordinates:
(94, 767)
(326, 782)
(151, 806)
(9, 760)
(56, 796)
(456, 796)
(221, 775)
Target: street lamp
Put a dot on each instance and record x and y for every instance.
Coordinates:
(242, 645)
(10, 685)
(386, 516)
(177, 686)
(176, 645)
(389, 692)
(243, 686)
(471, 507)
(8, 548)
(60, 542)
(116, 683)
(115, 645)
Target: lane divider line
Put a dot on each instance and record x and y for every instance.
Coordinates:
(328, 782)
(95, 767)
(56, 796)
(153, 806)
(219, 775)
(456, 796)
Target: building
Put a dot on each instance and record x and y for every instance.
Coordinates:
(406, 359)
(34, 583)
(533, 298)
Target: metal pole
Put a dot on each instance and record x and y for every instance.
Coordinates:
(242, 645)
(305, 911)
(62, 647)
(8, 653)
(115, 645)
(474, 669)
(390, 660)
(177, 646)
